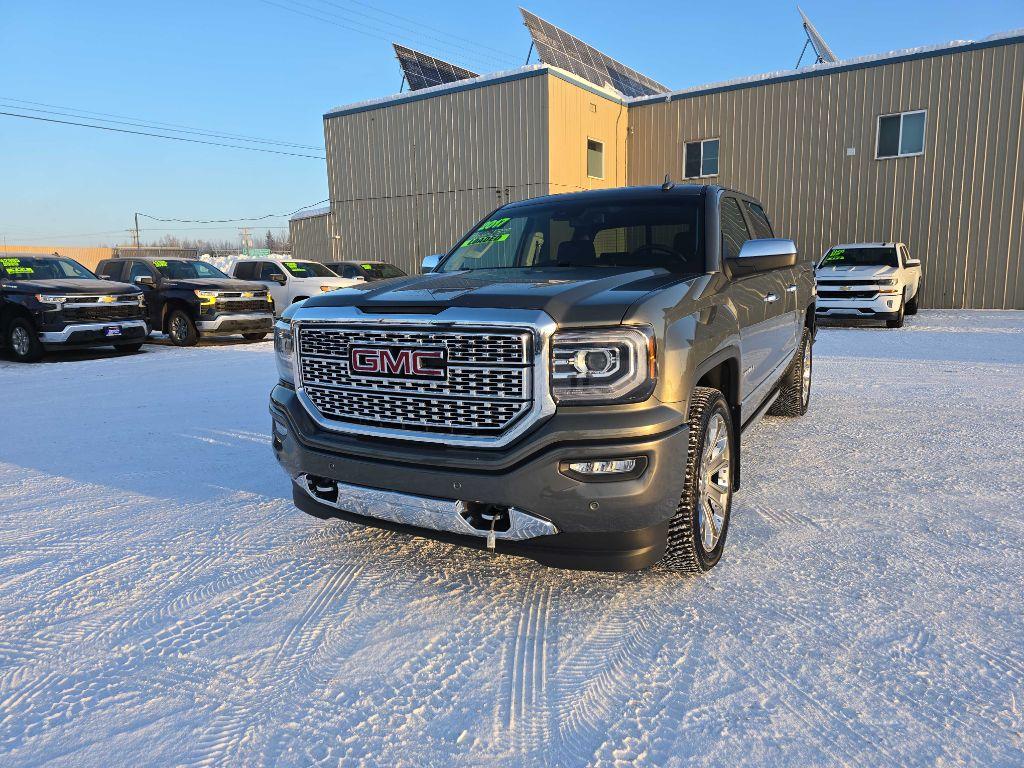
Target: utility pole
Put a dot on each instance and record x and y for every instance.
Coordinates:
(137, 242)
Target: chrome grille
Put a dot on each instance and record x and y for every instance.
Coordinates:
(488, 386)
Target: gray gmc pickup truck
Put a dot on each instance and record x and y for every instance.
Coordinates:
(568, 383)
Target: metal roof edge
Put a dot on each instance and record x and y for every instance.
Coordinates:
(495, 78)
(311, 213)
(819, 70)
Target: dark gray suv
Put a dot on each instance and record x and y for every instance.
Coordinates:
(568, 383)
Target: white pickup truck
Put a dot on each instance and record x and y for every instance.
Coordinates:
(868, 280)
(291, 280)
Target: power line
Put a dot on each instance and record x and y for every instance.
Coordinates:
(161, 136)
(378, 33)
(233, 221)
(103, 117)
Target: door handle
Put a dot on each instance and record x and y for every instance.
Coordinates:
(770, 298)
(791, 289)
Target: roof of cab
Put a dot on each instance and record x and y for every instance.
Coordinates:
(617, 193)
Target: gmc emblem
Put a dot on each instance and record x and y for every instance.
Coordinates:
(429, 363)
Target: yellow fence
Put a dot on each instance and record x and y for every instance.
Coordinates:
(87, 257)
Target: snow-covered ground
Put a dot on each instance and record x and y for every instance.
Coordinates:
(162, 603)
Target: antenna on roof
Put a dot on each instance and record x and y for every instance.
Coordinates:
(822, 51)
(668, 183)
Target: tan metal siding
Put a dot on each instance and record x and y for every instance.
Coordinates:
(574, 116)
(406, 180)
(311, 238)
(960, 206)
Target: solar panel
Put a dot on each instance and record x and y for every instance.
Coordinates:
(560, 49)
(825, 54)
(423, 71)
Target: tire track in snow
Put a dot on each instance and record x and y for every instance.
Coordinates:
(527, 710)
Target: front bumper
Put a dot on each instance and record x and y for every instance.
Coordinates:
(600, 525)
(248, 322)
(95, 334)
(882, 304)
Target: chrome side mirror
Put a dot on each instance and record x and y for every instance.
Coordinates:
(429, 263)
(763, 255)
(146, 280)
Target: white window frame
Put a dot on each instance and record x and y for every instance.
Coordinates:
(587, 157)
(899, 138)
(703, 175)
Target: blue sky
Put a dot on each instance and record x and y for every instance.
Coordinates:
(251, 67)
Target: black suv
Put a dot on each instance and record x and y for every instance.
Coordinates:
(187, 298)
(52, 302)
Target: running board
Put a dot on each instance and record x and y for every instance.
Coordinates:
(760, 412)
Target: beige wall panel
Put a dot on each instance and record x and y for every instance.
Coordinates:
(86, 256)
(575, 115)
(959, 206)
(311, 238)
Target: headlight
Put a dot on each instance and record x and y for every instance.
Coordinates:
(284, 350)
(887, 282)
(326, 288)
(43, 298)
(614, 364)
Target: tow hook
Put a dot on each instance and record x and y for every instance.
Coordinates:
(487, 517)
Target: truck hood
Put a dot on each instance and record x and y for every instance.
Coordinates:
(870, 272)
(569, 295)
(213, 284)
(76, 286)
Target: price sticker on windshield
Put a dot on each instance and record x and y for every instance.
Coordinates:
(159, 263)
(836, 255)
(9, 262)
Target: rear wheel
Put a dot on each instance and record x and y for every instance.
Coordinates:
(795, 388)
(696, 534)
(255, 336)
(23, 341)
(181, 330)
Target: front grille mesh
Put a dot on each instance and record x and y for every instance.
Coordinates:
(488, 385)
(243, 305)
(102, 312)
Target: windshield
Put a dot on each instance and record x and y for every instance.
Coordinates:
(179, 269)
(578, 233)
(860, 257)
(44, 268)
(308, 269)
(380, 271)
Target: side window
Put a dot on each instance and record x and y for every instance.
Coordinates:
(270, 269)
(734, 228)
(701, 159)
(595, 159)
(900, 135)
(349, 271)
(245, 270)
(759, 220)
(139, 269)
(112, 269)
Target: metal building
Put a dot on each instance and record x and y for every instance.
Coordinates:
(923, 146)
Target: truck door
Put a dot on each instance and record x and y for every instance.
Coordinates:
(271, 275)
(790, 315)
(752, 297)
(154, 301)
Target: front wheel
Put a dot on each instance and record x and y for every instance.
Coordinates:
(795, 388)
(23, 341)
(181, 330)
(896, 320)
(696, 533)
(912, 305)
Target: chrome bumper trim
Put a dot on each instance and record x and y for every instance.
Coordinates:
(59, 337)
(213, 325)
(425, 512)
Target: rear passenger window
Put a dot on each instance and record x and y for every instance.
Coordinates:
(112, 269)
(734, 228)
(759, 220)
(139, 270)
(245, 270)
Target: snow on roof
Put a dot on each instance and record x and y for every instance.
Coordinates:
(309, 213)
(875, 59)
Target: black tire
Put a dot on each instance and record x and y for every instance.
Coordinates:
(686, 552)
(896, 320)
(795, 388)
(911, 306)
(128, 349)
(181, 330)
(23, 340)
(255, 336)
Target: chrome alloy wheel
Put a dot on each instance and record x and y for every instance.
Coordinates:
(805, 379)
(179, 328)
(715, 482)
(20, 341)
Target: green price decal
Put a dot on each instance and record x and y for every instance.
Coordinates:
(367, 266)
(9, 262)
(159, 263)
(487, 237)
(494, 224)
(836, 255)
(19, 270)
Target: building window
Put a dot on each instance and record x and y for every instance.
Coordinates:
(701, 159)
(900, 135)
(595, 159)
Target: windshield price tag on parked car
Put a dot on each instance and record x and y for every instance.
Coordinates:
(159, 263)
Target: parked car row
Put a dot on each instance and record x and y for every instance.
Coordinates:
(53, 302)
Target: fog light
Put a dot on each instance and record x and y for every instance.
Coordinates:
(604, 469)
